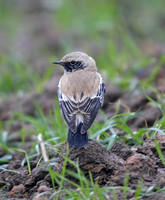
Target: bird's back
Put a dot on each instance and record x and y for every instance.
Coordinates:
(80, 84)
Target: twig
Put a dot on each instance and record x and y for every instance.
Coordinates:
(43, 150)
(8, 170)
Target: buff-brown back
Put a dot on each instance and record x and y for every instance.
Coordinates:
(80, 84)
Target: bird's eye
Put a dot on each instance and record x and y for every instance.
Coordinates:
(73, 62)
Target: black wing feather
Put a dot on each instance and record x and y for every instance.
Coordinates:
(91, 115)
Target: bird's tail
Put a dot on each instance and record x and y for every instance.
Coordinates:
(77, 139)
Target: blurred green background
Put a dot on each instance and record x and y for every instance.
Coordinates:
(123, 36)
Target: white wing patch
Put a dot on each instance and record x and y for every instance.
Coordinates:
(79, 118)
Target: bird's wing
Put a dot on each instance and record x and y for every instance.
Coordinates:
(88, 107)
(91, 107)
(69, 109)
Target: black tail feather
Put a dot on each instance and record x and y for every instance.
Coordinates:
(77, 139)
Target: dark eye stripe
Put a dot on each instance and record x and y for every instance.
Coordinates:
(73, 66)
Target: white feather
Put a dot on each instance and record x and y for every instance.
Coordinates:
(79, 118)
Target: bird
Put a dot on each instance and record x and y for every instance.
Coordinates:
(80, 93)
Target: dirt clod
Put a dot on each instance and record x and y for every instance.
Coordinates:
(18, 191)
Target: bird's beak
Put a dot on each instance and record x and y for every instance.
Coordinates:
(58, 62)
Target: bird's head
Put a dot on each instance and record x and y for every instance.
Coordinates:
(77, 61)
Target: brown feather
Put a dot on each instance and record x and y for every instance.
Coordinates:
(80, 82)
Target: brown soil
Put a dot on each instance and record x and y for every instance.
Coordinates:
(109, 168)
